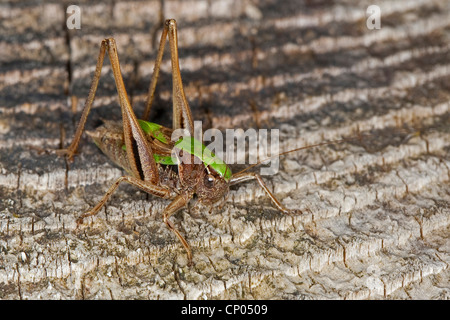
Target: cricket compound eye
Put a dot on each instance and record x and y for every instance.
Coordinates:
(209, 181)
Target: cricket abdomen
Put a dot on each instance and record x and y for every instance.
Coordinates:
(109, 138)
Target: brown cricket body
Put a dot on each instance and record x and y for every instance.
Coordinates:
(193, 178)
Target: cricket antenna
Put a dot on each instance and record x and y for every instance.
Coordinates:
(358, 137)
(298, 149)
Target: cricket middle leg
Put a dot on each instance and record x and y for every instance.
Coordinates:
(143, 185)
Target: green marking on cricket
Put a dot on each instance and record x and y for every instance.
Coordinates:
(188, 144)
(154, 129)
(196, 148)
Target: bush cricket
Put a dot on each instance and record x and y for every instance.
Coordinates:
(143, 148)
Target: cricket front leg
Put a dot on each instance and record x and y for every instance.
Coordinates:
(143, 185)
(254, 176)
(179, 202)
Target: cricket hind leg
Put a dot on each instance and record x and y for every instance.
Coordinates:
(254, 176)
(71, 150)
(139, 152)
(182, 117)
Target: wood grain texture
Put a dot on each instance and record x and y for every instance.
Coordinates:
(376, 219)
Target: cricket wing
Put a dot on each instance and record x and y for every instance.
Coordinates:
(110, 139)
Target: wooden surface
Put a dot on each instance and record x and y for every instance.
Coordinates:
(376, 213)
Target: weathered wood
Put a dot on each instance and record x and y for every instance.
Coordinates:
(376, 216)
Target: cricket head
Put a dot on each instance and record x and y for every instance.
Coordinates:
(211, 175)
(211, 186)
